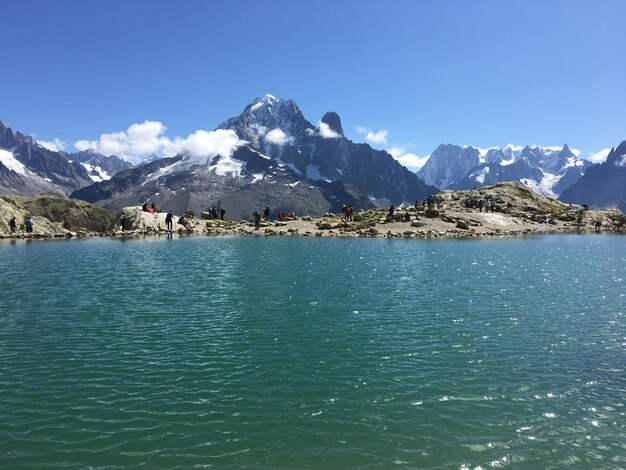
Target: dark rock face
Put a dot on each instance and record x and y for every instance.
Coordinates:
(603, 185)
(40, 169)
(334, 122)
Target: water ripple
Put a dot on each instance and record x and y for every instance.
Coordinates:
(308, 353)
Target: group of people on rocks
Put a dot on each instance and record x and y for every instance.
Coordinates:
(281, 215)
(475, 203)
(347, 210)
(429, 202)
(28, 224)
(392, 211)
(214, 214)
(152, 208)
(257, 217)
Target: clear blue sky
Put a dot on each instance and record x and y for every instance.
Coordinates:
(468, 72)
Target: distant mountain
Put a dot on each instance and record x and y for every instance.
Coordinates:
(27, 168)
(449, 164)
(603, 185)
(546, 170)
(239, 183)
(278, 129)
(98, 166)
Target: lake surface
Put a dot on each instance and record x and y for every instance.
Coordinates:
(239, 352)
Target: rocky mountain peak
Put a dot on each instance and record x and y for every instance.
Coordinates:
(566, 152)
(264, 115)
(334, 122)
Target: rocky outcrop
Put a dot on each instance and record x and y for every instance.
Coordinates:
(48, 213)
(517, 211)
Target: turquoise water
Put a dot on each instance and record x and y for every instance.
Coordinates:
(239, 352)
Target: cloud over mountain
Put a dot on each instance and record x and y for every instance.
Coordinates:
(410, 160)
(379, 137)
(143, 139)
(56, 145)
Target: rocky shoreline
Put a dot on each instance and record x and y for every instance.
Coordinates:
(517, 211)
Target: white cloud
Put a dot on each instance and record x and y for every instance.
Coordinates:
(141, 140)
(55, 145)
(277, 137)
(515, 148)
(260, 129)
(622, 161)
(379, 137)
(410, 160)
(204, 144)
(326, 132)
(82, 145)
(599, 156)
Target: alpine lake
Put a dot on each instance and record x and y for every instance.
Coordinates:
(295, 352)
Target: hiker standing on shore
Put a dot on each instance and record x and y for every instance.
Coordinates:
(13, 224)
(222, 213)
(266, 213)
(169, 221)
(257, 220)
(29, 224)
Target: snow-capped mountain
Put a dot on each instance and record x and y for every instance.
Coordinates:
(98, 166)
(268, 155)
(278, 129)
(603, 185)
(27, 168)
(546, 170)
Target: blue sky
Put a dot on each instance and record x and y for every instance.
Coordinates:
(482, 73)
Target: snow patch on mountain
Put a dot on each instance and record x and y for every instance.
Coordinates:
(12, 163)
(480, 177)
(543, 187)
(96, 173)
(227, 166)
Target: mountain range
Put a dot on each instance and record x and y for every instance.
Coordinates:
(546, 170)
(270, 154)
(276, 158)
(29, 168)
